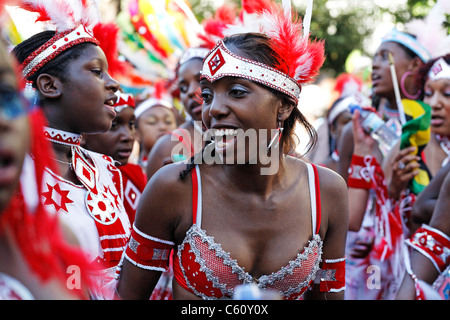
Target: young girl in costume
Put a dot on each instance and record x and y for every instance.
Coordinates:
(118, 144)
(409, 55)
(155, 117)
(69, 72)
(235, 223)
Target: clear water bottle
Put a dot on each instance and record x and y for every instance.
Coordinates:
(251, 291)
(384, 134)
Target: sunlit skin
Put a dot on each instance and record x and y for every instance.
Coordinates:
(82, 103)
(226, 101)
(152, 125)
(118, 141)
(188, 83)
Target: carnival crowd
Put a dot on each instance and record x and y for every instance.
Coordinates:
(217, 182)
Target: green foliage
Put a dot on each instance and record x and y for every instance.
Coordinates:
(343, 31)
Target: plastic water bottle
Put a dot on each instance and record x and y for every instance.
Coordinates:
(372, 124)
(252, 292)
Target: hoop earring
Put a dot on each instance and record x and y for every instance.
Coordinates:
(276, 137)
(402, 86)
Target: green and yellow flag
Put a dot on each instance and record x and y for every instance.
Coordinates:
(416, 132)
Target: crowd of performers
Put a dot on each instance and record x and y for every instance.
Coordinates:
(106, 196)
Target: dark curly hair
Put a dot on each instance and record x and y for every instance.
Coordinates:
(256, 47)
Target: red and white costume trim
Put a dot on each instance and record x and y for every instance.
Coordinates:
(439, 70)
(62, 137)
(134, 182)
(55, 46)
(94, 210)
(147, 252)
(333, 275)
(221, 62)
(361, 172)
(433, 244)
(12, 289)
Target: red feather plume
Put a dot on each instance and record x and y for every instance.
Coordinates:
(297, 55)
(213, 27)
(107, 34)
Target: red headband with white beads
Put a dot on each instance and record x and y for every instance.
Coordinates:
(221, 62)
(55, 46)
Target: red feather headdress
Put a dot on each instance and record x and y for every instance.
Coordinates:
(72, 21)
(298, 59)
(107, 35)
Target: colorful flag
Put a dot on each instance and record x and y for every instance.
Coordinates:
(416, 132)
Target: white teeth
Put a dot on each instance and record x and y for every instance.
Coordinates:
(225, 132)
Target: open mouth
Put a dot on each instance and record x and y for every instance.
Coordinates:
(436, 121)
(375, 79)
(224, 138)
(8, 169)
(109, 104)
(124, 154)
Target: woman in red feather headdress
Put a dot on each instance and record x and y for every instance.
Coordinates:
(245, 212)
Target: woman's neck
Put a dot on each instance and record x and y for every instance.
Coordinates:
(256, 178)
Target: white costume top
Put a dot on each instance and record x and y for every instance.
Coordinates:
(12, 289)
(93, 211)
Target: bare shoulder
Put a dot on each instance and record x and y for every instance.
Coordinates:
(330, 181)
(164, 201)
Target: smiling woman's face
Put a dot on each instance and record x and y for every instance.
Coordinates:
(14, 130)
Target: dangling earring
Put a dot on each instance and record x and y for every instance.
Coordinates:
(277, 136)
(402, 86)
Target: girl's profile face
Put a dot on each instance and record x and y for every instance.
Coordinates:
(14, 130)
(88, 94)
(188, 84)
(381, 73)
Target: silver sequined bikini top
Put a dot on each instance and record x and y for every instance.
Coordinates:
(202, 266)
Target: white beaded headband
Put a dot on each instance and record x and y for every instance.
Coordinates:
(221, 62)
(193, 53)
(55, 46)
(439, 70)
(150, 103)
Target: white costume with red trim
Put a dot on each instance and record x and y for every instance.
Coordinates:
(94, 211)
(12, 289)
